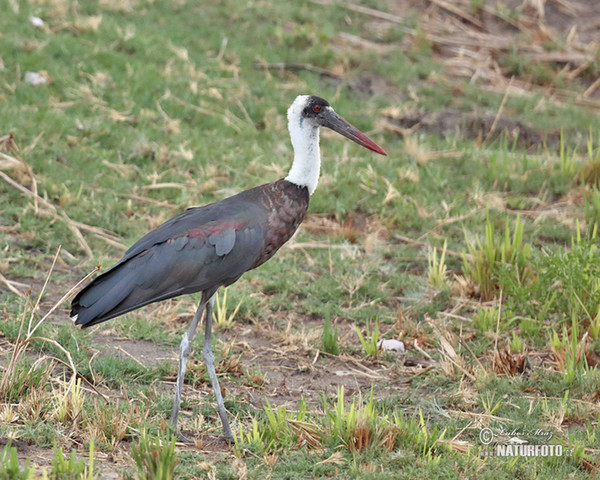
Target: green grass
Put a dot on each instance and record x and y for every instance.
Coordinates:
(481, 256)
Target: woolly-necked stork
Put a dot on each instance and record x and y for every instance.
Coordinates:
(208, 247)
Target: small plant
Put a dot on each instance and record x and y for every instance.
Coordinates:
(154, 460)
(436, 273)
(569, 350)
(280, 429)
(567, 159)
(429, 442)
(278, 426)
(108, 424)
(485, 319)
(329, 338)
(360, 426)
(370, 339)
(590, 170)
(591, 207)
(222, 319)
(483, 258)
(488, 404)
(9, 465)
(255, 376)
(516, 344)
(594, 328)
(69, 401)
(61, 468)
(254, 439)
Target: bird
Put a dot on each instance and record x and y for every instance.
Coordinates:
(212, 246)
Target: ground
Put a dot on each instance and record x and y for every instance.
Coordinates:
(473, 242)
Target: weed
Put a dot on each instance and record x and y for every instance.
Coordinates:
(570, 350)
(329, 338)
(13, 379)
(485, 319)
(281, 429)
(254, 439)
(69, 402)
(9, 465)
(484, 257)
(591, 208)
(358, 427)
(277, 419)
(73, 468)
(108, 425)
(222, 318)
(25, 378)
(594, 328)
(516, 344)
(370, 339)
(153, 459)
(489, 405)
(568, 160)
(255, 376)
(590, 170)
(436, 273)
(429, 441)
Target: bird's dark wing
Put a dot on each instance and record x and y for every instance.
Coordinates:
(199, 250)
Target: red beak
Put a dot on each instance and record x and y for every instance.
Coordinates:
(332, 120)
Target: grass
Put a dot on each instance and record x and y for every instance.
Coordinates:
(151, 107)
(153, 460)
(329, 337)
(370, 339)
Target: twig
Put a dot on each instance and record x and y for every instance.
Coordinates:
(11, 287)
(498, 327)
(129, 355)
(464, 344)
(73, 226)
(31, 331)
(21, 344)
(78, 235)
(364, 43)
(458, 12)
(341, 246)
(448, 221)
(27, 192)
(56, 359)
(159, 186)
(499, 113)
(416, 345)
(367, 11)
(296, 67)
(592, 88)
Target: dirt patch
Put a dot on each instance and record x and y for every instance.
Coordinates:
(472, 126)
(292, 368)
(144, 352)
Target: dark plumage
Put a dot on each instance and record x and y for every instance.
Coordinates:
(205, 248)
(199, 250)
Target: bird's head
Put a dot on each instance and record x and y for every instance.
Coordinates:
(309, 111)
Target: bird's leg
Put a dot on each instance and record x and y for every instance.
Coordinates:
(209, 361)
(184, 351)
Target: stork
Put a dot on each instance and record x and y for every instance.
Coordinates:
(205, 248)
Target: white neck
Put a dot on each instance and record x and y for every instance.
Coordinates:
(307, 156)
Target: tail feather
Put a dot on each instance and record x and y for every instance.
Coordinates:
(99, 300)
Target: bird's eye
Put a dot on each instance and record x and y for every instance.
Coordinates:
(317, 108)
